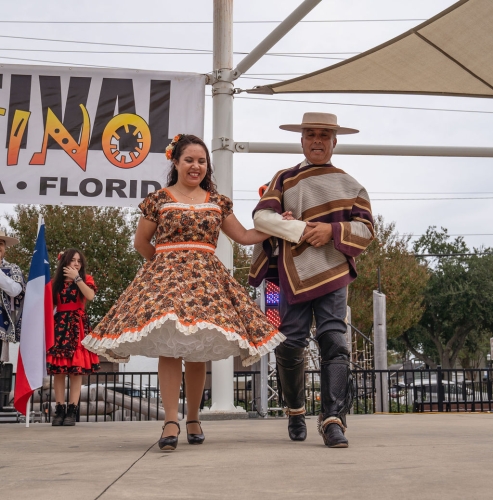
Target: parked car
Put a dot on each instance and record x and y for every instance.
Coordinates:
(397, 391)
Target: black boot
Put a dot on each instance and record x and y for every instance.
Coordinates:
(332, 430)
(59, 415)
(336, 401)
(297, 427)
(71, 414)
(291, 372)
(335, 389)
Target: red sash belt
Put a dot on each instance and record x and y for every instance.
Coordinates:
(73, 306)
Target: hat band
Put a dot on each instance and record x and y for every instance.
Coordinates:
(310, 124)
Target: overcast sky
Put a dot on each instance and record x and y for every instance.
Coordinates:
(259, 120)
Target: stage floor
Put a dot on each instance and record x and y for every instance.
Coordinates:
(432, 456)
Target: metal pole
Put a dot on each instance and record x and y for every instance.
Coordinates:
(349, 341)
(368, 149)
(349, 334)
(268, 42)
(264, 365)
(380, 348)
(28, 411)
(222, 153)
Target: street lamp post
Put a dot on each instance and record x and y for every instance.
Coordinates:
(488, 379)
(221, 79)
(222, 154)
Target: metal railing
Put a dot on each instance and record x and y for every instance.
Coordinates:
(114, 396)
(117, 396)
(431, 390)
(105, 396)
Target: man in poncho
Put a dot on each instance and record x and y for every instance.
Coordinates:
(312, 256)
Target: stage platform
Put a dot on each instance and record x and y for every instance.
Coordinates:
(424, 456)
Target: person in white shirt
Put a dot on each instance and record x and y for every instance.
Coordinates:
(12, 289)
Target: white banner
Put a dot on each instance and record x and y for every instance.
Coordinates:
(82, 136)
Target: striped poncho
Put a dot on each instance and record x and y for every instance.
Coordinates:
(314, 193)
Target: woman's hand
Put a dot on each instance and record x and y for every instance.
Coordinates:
(70, 272)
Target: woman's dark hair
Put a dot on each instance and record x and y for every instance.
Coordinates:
(65, 260)
(185, 140)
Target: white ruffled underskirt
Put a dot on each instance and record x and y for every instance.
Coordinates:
(167, 336)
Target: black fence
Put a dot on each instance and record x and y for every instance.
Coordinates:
(411, 391)
(114, 396)
(425, 390)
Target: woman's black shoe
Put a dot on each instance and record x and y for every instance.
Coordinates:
(195, 438)
(71, 416)
(169, 443)
(59, 415)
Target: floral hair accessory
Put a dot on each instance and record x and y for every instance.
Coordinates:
(171, 146)
(59, 256)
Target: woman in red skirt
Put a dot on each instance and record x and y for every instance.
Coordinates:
(71, 288)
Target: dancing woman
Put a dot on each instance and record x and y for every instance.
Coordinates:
(184, 304)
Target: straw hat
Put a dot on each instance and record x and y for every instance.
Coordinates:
(319, 120)
(9, 241)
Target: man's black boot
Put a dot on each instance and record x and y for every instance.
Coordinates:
(297, 427)
(332, 430)
(291, 372)
(335, 395)
(335, 389)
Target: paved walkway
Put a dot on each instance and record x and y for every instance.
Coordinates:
(414, 456)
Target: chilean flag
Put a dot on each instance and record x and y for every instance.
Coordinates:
(37, 330)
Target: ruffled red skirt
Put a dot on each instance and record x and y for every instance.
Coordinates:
(83, 362)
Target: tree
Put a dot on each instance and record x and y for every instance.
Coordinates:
(403, 280)
(242, 257)
(458, 317)
(103, 234)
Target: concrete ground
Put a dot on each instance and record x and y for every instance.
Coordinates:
(413, 456)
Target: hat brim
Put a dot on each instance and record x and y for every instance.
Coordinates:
(9, 241)
(299, 128)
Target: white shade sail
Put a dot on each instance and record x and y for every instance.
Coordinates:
(450, 54)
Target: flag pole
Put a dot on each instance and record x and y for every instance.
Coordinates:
(28, 411)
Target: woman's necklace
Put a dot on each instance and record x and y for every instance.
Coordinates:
(186, 195)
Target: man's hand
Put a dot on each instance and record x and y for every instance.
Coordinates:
(287, 216)
(317, 233)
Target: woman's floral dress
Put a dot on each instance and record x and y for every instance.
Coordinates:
(184, 303)
(68, 355)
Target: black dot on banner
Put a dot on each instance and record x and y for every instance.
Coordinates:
(57, 131)
(65, 141)
(21, 185)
